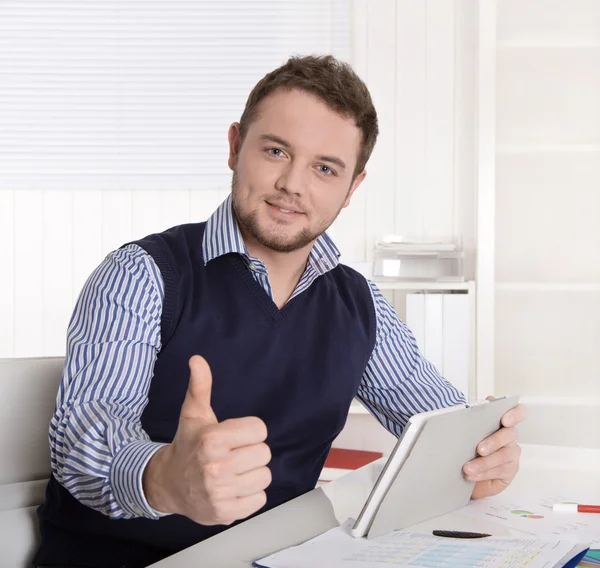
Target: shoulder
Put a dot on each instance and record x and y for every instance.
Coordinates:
(350, 274)
(127, 265)
(180, 237)
(175, 249)
(350, 280)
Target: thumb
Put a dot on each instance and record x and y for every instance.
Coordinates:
(196, 405)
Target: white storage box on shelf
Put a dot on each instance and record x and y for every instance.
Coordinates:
(413, 260)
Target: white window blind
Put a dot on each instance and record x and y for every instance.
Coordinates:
(139, 94)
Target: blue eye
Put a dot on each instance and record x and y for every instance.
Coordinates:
(273, 151)
(326, 170)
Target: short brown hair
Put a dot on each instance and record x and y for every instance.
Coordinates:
(333, 81)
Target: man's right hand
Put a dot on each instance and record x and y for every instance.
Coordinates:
(214, 473)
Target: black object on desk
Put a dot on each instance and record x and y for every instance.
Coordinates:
(460, 534)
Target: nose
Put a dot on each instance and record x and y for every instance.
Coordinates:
(293, 179)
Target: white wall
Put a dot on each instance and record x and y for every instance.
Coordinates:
(544, 93)
(418, 60)
(52, 240)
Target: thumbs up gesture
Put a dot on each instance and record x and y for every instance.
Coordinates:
(213, 472)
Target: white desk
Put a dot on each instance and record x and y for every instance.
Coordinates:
(324, 508)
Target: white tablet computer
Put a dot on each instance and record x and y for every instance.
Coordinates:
(423, 476)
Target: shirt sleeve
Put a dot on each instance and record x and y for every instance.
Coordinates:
(98, 448)
(398, 381)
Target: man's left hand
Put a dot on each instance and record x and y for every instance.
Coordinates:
(499, 461)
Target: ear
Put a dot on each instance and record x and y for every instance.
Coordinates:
(359, 179)
(235, 143)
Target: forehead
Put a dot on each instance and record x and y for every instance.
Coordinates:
(307, 123)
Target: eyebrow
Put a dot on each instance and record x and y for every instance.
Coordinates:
(331, 159)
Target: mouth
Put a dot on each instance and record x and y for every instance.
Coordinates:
(283, 210)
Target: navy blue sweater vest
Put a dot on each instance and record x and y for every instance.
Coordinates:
(297, 368)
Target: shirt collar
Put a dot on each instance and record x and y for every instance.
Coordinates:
(222, 236)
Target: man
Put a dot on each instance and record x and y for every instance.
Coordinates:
(210, 367)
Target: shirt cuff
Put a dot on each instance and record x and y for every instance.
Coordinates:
(126, 479)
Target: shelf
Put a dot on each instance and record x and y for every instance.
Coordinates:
(422, 286)
(555, 149)
(547, 287)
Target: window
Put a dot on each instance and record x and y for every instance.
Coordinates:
(128, 94)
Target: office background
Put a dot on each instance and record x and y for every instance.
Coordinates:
(113, 121)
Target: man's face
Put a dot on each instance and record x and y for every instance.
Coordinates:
(293, 173)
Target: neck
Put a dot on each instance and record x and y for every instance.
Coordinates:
(285, 268)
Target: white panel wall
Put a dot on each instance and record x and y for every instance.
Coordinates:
(547, 343)
(414, 63)
(7, 271)
(53, 239)
(548, 216)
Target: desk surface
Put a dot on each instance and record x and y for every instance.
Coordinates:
(326, 507)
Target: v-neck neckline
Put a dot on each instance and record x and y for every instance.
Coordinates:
(260, 294)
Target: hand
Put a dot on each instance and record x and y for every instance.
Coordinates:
(214, 473)
(495, 470)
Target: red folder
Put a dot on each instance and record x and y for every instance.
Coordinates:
(341, 461)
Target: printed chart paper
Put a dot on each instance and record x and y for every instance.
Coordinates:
(534, 516)
(337, 549)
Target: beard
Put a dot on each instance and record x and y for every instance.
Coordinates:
(276, 240)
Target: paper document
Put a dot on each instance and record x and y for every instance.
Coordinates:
(534, 516)
(337, 549)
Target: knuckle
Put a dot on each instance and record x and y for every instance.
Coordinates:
(259, 427)
(267, 452)
(210, 441)
(216, 495)
(267, 477)
(211, 470)
(261, 500)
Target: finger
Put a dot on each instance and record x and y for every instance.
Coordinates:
(506, 472)
(196, 405)
(515, 416)
(222, 463)
(245, 506)
(253, 481)
(240, 432)
(479, 466)
(243, 485)
(226, 512)
(488, 488)
(249, 458)
(500, 438)
(216, 442)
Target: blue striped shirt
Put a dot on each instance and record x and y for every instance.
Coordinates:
(98, 447)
